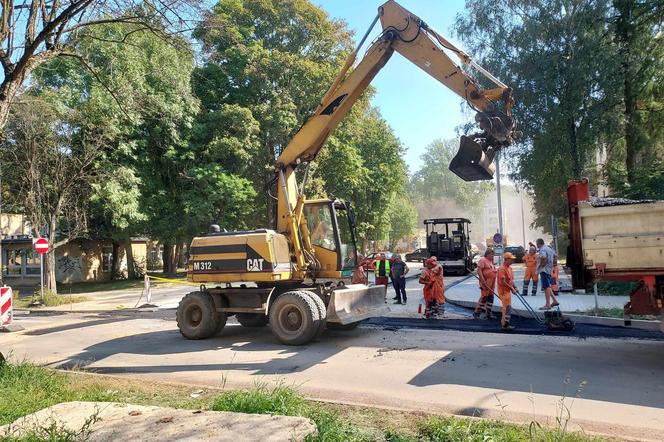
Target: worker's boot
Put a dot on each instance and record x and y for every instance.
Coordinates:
(476, 315)
(506, 327)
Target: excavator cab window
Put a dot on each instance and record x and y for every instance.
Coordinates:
(332, 226)
(321, 227)
(345, 217)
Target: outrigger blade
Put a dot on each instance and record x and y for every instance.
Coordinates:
(356, 302)
(473, 162)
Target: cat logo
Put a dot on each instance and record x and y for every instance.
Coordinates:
(255, 265)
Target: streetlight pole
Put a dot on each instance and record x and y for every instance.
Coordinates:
(500, 203)
(523, 222)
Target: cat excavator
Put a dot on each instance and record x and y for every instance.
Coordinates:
(294, 275)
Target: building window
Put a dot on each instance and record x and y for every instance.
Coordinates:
(107, 259)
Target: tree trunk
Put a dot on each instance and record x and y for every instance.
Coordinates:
(176, 258)
(577, 164)
(625, 29)
(49, 261)
(50, 283)
(167, 258)
(115, 261)
(8, 90)
(131, 272)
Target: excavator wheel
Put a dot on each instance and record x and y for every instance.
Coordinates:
(322, 314)
(295, 318)
(251, 319)
(197, 316)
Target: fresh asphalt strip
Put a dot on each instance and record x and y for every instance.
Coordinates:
(523, 326)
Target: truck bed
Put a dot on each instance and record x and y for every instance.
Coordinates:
(622, 235)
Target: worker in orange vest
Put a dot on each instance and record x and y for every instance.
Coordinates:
(531, 271)
(505, 289)
(486, 272)
(434, 288)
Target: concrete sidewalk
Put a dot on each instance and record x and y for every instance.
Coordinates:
(467, 293)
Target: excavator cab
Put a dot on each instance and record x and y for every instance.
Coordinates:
(331, 226)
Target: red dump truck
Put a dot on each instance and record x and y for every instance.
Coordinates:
(620, 240)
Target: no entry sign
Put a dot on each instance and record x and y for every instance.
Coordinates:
(41, 246)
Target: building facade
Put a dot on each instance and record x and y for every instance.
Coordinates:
(81, 260)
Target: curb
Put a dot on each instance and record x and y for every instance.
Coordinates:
(581, 319)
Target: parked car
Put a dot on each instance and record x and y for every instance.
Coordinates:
(518, 251)
(419, 255)
(367, 262)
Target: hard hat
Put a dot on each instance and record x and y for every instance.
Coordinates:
(508, 255)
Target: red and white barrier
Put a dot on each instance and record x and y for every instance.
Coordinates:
(6, 313)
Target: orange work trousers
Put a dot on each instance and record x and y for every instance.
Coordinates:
(506, 301)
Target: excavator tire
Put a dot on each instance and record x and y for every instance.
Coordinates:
(295, 318)
(197, 316)
(322, 314)
(251, 319)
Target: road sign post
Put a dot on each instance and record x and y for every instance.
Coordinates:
(41, 246)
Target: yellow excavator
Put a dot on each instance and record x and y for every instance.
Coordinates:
(293, 277)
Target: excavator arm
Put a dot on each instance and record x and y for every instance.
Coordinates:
(411, 37)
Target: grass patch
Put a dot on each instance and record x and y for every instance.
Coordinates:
(615, 288)
(615, 312)
(26, 388)
(50, 299)
(120, 284)
(475, 430)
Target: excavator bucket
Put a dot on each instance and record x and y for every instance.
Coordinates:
(472, 163)
(356, 302)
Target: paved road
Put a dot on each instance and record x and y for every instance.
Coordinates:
(518, 377)
(608, 385)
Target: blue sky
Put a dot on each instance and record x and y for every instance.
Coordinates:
(418, 108)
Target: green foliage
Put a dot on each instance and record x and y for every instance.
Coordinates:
(551, 53)
(51, 299)
(266, 65)
(466, 430)
(403, 219)
(26, 388)
(434, 179)
(363, 163)
(570, 101)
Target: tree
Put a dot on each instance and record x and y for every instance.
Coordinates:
(434, 180)
(554, 54)
(363, 163)
(50, 170)
(271, 61)
(403, 219)
(36, 31)
(637, 35)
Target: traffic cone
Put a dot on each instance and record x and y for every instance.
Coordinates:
(419, 309)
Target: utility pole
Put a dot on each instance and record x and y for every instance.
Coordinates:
(523, 222)
(500, 202)
(500, 205)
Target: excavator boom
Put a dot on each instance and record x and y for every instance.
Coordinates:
(412, 38)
